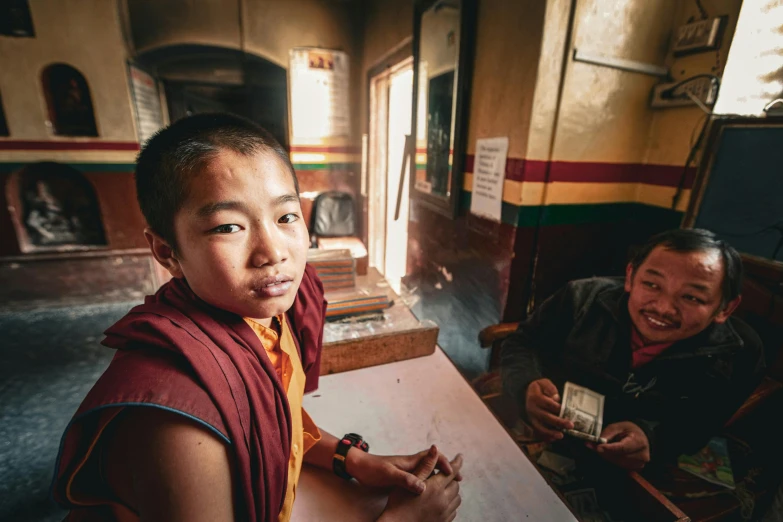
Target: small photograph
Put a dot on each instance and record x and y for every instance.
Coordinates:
(321, 60)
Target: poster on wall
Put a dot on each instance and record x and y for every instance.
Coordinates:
(489, 173)
(319, 94)
(146, 103)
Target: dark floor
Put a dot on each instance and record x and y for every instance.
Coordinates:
(49, 359)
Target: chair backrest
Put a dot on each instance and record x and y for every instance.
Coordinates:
(334, 215)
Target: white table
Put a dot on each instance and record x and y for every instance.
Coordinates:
(404, 407)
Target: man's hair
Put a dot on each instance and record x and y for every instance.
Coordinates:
(697, 240)
(170, 159)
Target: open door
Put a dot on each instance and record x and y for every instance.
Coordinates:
(391, 99)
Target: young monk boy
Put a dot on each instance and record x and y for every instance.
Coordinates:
(199, 415)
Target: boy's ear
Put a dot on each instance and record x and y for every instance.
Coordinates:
(163, 253)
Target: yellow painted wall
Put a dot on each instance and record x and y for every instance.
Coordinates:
(604, 112)
(671, 130)
(387, 24)
(508, 47)
(271, 27)
(85, 34)
(605, 115)
(157, 23)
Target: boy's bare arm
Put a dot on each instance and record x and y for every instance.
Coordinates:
(376, 470)
(167, 467)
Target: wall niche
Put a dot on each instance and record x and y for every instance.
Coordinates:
(68, 100)
(55, 208)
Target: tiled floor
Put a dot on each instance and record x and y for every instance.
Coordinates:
(49, 359)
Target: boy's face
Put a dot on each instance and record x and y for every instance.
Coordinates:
(676, 295)
(241, 239)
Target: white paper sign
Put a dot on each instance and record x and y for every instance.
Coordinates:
(146, 100)
(489, 173)
(318, 79)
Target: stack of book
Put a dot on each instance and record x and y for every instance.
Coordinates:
(355, 303)
(335, 268)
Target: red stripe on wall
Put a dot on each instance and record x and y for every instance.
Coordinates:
(515, 168)
(306, 148)
(68, 145)
(518, 169)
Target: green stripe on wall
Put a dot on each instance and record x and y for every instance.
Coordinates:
(81, 167)
(326, 166)
(608, 213)
(527, 216)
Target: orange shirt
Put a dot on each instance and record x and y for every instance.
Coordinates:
(281, 350)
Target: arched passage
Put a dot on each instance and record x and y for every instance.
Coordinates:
(201, 78)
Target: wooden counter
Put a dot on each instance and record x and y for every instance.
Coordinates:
(403, 407)
(396, 337)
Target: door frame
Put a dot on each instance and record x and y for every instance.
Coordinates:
(393, 58)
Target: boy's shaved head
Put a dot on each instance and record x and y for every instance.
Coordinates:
(173, 156)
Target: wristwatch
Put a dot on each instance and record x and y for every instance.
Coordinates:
(350, 440)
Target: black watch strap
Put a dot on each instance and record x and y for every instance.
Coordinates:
(350, 440)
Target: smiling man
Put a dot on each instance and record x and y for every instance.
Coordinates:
(660, 344)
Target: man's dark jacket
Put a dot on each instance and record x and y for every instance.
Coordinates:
(680, 399)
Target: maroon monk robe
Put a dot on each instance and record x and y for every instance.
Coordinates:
(179, 353)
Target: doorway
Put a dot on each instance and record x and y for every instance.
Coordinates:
(202, 78)
(391, 99)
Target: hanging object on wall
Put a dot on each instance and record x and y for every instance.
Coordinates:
(319, 94)
(697, 37)
(701, 90)
(620, 63)
(146, 102)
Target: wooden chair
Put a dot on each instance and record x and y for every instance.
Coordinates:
(489, 387)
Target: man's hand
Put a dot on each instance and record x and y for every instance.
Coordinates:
(627, 445)
(394, 471)
(438, 502)
(542, 404)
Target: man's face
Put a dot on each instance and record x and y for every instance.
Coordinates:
(675, 295)
(242, 242)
